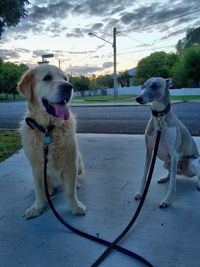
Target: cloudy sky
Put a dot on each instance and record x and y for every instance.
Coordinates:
(61, 27)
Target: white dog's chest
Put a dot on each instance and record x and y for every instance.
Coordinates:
(167, 141)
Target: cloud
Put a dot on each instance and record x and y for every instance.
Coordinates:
(89, 69)
(7, 54)
(46, 16)
(59, 10)
(84, 70)
(22, 50)
(80, 52)
(173, 33)
(39, 53)
(107, 65)
(156, 12)
(77, 32)
(96, 26)
(56, 28)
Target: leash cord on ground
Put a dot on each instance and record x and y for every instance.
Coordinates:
(137, 212)
(113, 245)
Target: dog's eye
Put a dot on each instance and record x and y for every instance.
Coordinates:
(65, 78)
(154, 86)
(47, 77)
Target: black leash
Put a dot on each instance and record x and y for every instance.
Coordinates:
(113, 245)
(84, 234)
(132, 221)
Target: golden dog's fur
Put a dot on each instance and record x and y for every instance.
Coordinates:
(64, 160)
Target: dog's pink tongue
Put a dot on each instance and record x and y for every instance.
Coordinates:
(62, 111)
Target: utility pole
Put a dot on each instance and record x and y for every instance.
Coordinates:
(114, 46)
(115, 62)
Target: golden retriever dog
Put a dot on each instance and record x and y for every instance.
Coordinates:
(48, 92)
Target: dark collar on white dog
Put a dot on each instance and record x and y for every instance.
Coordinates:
(156, 113)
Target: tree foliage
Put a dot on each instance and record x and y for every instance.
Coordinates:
(186, 72)
(124, 79)
(192, 38)
(10, 74)
(80, 84)
(11, 11)
(104, 81)
(158, 64)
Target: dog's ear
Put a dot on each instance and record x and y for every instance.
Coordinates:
(168, 83)
(26, 84)
(68, 77)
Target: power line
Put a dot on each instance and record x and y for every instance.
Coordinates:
(151, 44)
(154, 48)
(104, 58)
(159, 22)
(91, 53)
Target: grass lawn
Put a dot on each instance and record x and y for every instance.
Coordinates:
(10, 97)
(186, 97)
(104, 98)
(10, 143)
(122, 99)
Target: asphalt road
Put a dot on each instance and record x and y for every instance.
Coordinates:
(127, 119)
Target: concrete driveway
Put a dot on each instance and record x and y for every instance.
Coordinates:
(114, 165)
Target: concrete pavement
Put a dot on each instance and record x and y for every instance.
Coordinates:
(114, 165)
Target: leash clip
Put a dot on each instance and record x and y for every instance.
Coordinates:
(47, 138)
(160, 122)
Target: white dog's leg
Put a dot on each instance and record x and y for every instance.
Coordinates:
(146, 169)
(69, 183)
(40, 200)
(80, 164)
(194, 166)
(164, 179)
(167, 201)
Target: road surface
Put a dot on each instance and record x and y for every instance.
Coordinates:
(128, 119)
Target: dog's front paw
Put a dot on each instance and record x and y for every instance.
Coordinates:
(33, 212)
(138, 196)
(79, 209)
(164, 204)
(163, 179)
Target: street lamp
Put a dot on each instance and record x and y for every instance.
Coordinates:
(114, 57)
(44, 61)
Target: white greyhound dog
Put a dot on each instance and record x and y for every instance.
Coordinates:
(177, 148)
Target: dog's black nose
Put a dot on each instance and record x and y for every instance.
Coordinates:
(139, 99)
(65, 91)
(66, 87)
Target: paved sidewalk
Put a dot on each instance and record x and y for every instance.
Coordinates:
(114, 166)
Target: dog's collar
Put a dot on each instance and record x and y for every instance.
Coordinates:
(156, 113)
(46, 131)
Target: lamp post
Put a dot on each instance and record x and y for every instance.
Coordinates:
(114, 57)
(44, 61)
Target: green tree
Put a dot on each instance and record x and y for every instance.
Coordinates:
(10, 74)
(104, 81)
(124, 79)
(11, 11)
(158, 64)
(80, 84)
(186, 71)
(192, 38)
